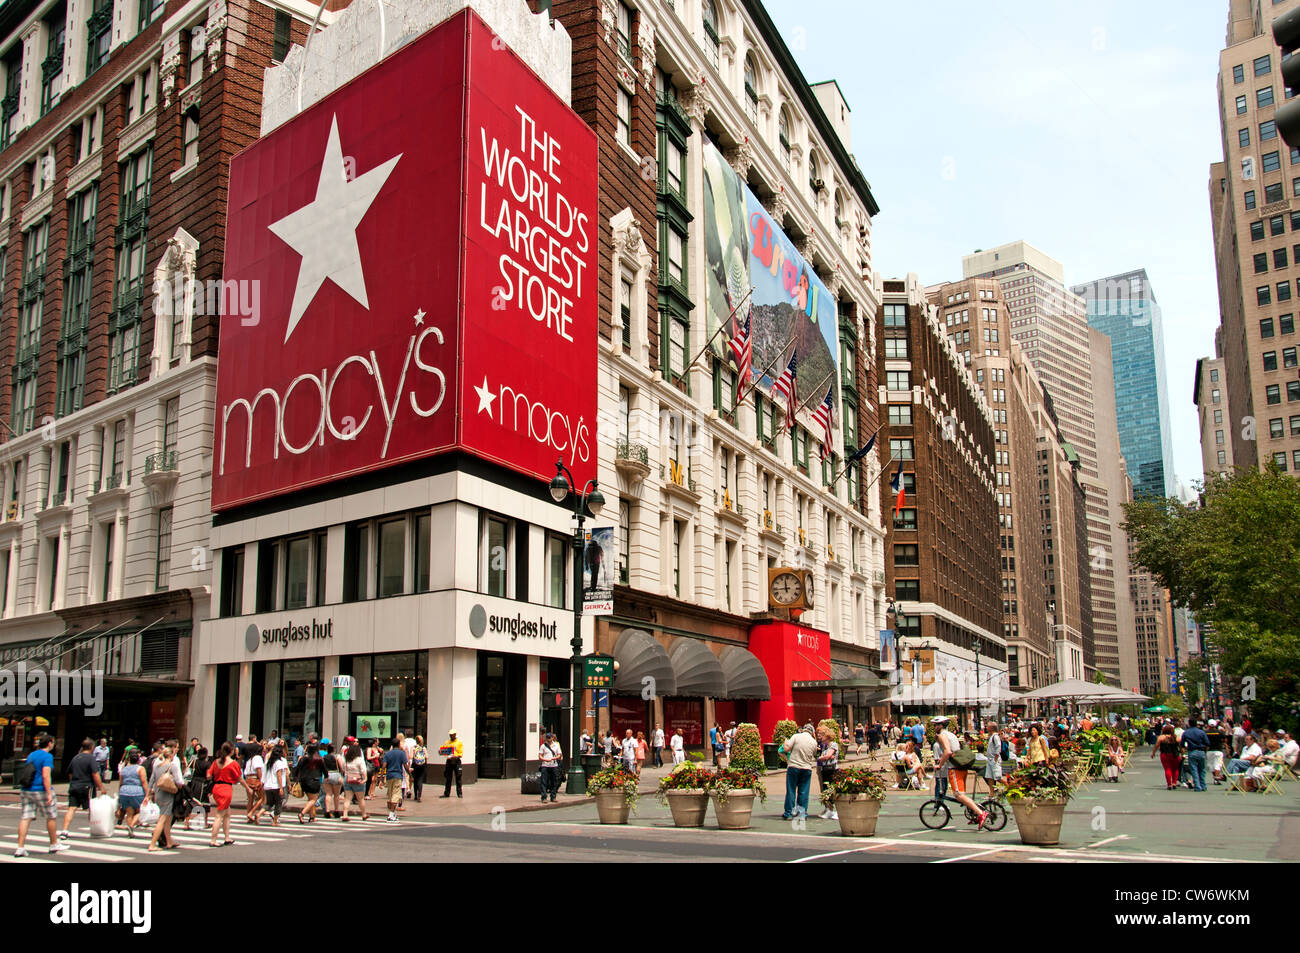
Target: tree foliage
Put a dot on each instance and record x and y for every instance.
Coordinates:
(1234, 559)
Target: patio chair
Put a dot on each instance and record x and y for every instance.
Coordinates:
(1235, 783)
(1270, 783)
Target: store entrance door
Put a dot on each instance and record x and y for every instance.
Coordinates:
(500, 688)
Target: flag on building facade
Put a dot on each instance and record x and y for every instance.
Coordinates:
(824, 414)
(785, 386)
(742, 350)
(896, 484)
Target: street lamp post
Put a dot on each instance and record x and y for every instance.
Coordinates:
(975, 644)
(589, 499)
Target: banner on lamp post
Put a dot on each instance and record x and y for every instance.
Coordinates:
(597, 581)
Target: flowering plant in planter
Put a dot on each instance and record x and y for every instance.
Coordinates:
(614, 779)
(726, 780)
(746, 749)
(685, 777)
(846, 782)
(1036, 782)
(785, 728)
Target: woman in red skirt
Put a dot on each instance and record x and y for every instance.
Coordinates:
(225, 774)
(1170, 755)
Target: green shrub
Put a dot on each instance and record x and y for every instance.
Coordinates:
(785, 729)
(747, 749)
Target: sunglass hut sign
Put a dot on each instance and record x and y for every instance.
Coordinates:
(401, 316)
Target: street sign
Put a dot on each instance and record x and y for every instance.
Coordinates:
(343, 688)
(598, 671)
(602, 698)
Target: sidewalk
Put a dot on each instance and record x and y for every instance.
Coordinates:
(481, 797)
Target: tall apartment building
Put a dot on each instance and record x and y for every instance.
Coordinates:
(1255, 204)
(1050, 323)
(977, 321)
(117, 123)
(1124, 308)
(1116, 656)
(943, 438)
(724, 169)
(1209, 396)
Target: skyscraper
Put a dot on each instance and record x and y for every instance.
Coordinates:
(1255, 204)
(1050, 322)
(1124, 308)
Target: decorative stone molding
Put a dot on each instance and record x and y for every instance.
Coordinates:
(608, 12)
(695, 104)
(646, 37)
(173, 286)
(835, 281)
(627, 238)
(136, 135)
(169, 67)
(741, 158)
(780, 205)
(215, 32)
(82, 174)
(37, 208)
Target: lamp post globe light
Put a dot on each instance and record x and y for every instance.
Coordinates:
(589, 500)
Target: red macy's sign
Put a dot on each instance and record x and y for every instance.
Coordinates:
(424, 246)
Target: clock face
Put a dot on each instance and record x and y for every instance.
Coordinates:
(786, 588)
(808, 597)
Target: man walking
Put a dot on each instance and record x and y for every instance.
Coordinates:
(453, 750)
(629, 751)
(101, 755)
(801, 755)
(1197, 743)
(395, 765)
(679, 747)
(83, 774)
(657, 743)
(38, 798)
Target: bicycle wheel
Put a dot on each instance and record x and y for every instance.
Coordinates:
(935, 814)
(997, 815)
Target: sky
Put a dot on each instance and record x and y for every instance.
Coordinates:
(1086, 128)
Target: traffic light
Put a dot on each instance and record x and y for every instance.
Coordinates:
(1286, 33)
(557, 698)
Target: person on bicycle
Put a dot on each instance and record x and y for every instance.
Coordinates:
(948, 745)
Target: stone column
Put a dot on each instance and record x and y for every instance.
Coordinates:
(11, 584)
(61, 568)
(244, 706)
(119, 556)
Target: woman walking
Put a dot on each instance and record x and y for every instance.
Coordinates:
(254, 782)
(354, 781)
(165, 784)
(1036, 747)
(273, 785)
(373, 754)
(225, 774)
(993, 756)
(640, 752)
(132, 791)
(1170, 755)
(333, 782)
(1114, 759)
(311, 772)
(828, 762)
(198, 787)
(419, 764)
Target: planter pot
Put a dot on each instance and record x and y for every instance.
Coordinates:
(734, 815)
(858, 813)
(772, 757)
(1039, 822)
(689, 805)
(611, 807)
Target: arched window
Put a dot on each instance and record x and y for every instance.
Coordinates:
(814, 173)
(783, 134)
(712, 41)
(839, 210)
(751, 90)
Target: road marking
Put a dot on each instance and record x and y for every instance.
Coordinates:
(1106, 841)
(978, 853)
(836, 853)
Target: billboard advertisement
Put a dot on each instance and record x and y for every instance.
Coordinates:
(423, 244)
(794, 312)
(597, 571)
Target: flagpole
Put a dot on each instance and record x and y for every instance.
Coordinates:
(721, 325)
(755, 378)
(816, 390)
(845, 468)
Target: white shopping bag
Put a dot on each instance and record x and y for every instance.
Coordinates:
(149, 814)
(102, 812)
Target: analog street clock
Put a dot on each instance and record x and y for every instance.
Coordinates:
(789, 588)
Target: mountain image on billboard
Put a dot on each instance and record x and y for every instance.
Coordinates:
(793, 310)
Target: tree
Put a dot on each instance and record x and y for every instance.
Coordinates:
(1234, 559)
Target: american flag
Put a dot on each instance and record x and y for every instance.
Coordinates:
(785, 385)
(742, 349)
(823, 415)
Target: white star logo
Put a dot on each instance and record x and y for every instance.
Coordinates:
(419, 318)
(324, 232)
(485, 397)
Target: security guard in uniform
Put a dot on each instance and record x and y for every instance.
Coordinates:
(454, 750)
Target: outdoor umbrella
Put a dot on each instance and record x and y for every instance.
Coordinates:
(1158, 709)
(1075, 688)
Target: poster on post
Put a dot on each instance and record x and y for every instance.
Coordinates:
(597, 577)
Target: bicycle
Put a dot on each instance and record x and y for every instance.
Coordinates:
(935, 814)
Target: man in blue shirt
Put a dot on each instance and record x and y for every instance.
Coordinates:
(38, 798)
(394, 771)
(1197, 743)
(918, 735)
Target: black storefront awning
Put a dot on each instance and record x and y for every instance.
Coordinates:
(848, 676)
(745, 675)
(698, 671)
(639, 656)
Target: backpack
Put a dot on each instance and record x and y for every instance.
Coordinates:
(1006, 750)
(26, 774)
